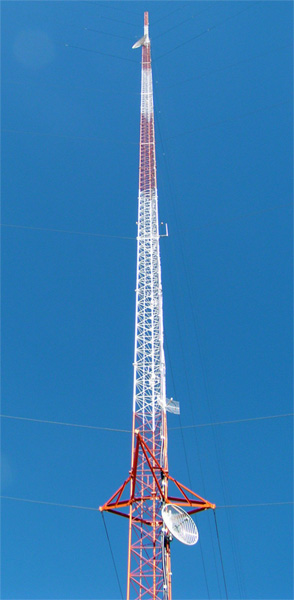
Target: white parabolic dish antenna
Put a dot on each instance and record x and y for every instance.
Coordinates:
(180, 524)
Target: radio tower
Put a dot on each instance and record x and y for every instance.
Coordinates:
(155, 517)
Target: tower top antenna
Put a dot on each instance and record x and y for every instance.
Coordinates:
(146, 21)
(146, 27)
(145, 40)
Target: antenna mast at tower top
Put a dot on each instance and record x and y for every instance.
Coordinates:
(154, 515)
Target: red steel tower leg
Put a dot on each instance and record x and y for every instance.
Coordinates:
(149, 572)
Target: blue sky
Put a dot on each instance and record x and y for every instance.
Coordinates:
(70, 119)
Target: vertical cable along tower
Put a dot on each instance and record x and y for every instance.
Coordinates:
(155, 517)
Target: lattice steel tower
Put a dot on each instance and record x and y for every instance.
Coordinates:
(154, 516)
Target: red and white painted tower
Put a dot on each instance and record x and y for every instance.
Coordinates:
(154, 516)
